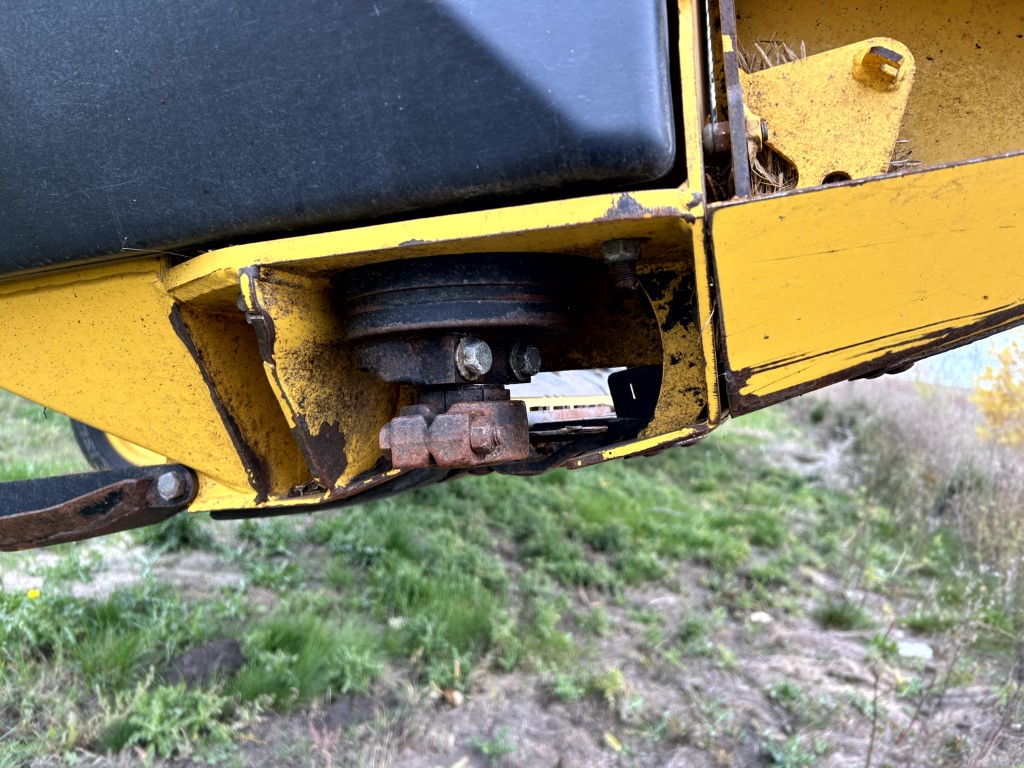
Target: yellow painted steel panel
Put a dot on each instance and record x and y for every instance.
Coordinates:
(830, 113)
(575, 227)
(336, 410)
(842, 280)
(227, 350)
(968, 97)
(97, 344)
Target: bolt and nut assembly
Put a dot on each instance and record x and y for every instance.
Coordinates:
(170, 486)
(621, 256)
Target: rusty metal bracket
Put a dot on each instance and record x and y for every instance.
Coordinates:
(734, 97)
(468, 434)
(55, 510)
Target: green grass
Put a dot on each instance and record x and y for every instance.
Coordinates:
(442, 580)
(478, 575)
(840, 613)
(291, 659)
(35, 442)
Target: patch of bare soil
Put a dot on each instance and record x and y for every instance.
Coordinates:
(719, 709)
(123, 564)
(699, 714)
(764, 690)
(210, 662)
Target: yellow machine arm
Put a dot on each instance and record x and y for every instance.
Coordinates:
(796, 244)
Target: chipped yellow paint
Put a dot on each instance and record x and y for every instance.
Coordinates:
(228, 353)
(648, 444)
(705, 315)
(682, 396)
(824, 118)
(836, 281)
(575, 227)
(216, 497)
(694, 194)
(96, 344)
(727, 46)
(336, 409)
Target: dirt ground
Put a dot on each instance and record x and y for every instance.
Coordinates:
(705, 711)
(772, 689)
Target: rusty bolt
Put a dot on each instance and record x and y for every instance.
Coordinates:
(525, 360)
(622, 256)
(473, 358)
(483, 437)
(716, 139)
(403, 440)
(170, 486)
(384, 440)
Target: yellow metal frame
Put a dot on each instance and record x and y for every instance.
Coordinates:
(917, 263)
(804, 289)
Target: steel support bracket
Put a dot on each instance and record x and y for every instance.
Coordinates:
(835, 115)
(54, 510)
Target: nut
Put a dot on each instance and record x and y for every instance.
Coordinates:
(879, 68)
(403, 440)
(170, 486)
(473, 358)
(525, 360)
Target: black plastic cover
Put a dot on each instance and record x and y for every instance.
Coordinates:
(132, 124)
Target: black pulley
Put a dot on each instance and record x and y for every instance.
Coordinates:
(419, 320)
(496, 292)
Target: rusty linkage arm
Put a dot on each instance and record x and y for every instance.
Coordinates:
(54, 510)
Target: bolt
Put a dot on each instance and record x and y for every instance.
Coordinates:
(879, 68)
(384, 440)
(716, 139)
(622, 256)
(525, 360)
(170, 486)
(473, 358)
(483, 435)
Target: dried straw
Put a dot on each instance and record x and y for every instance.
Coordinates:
(771, 171)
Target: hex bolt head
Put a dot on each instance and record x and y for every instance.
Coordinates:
(170, 486)
(473, 358)
(482, 435)
(524, 360)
